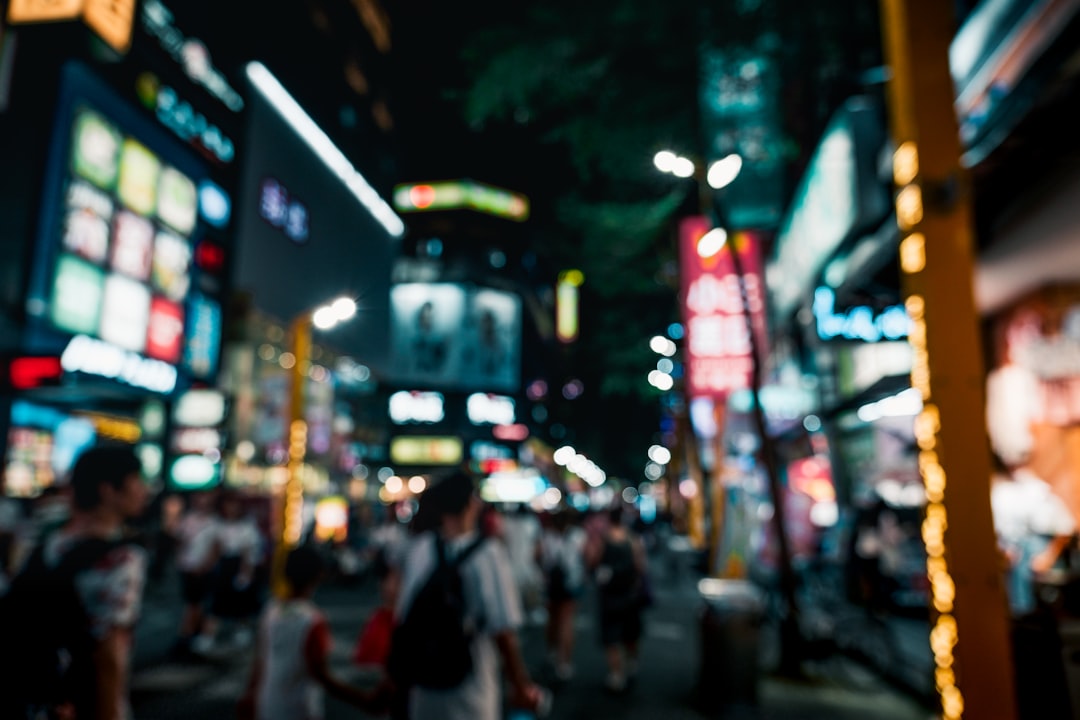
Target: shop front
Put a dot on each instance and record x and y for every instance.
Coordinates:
(119, 236)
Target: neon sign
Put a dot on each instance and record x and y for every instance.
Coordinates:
(95, 357)
(858, 323)
(185, 121)
(463, 194)
(280, 209)
(191, 54)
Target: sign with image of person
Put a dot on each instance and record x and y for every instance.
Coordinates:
(447, 336)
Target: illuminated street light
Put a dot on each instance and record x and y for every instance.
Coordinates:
(661, 380)
(712, 242)
(339, 311)
(564, 455)
(662, 346)
(324, 317)
(683, 167)
(344, 308)
(665, 160)
(724, 171)
(660, 454)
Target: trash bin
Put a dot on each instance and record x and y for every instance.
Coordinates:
(730, 631)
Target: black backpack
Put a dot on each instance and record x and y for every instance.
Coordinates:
(621, 581)
(432, 647)
(46, 657)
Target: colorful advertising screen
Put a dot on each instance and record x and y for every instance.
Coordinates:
(717, 333)
(117, 261)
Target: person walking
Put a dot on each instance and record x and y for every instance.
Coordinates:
(238, 548)
(198, 538)
(458, 615)
(562, 559)
(291, 674)
(521, 532)
(78, 597)
(618, 560)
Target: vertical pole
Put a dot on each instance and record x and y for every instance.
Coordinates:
(969, 635)
(292, 505)
(717, 497)
(695, 506)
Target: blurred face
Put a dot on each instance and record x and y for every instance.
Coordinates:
(129, 500)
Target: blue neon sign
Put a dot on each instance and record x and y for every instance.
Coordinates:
(858, 323)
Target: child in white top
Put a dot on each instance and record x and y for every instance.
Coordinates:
(291, 673)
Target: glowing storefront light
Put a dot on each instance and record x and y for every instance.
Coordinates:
(416, 407)
(324, 147)
(944, 633)
(484, 409)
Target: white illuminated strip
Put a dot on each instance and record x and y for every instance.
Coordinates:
(492, 409)
(324, 147)
(94, 357)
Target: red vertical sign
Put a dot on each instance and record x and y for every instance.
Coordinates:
(718, 358)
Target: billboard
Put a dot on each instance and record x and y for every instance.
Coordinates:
(124, 225)
(718, 350)
(447, 336)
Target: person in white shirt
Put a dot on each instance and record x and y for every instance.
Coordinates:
(562, 558)
(239, 548)
(491, 602)
(1034, 526)
(521, 532)
(197, 535)
(290, 673)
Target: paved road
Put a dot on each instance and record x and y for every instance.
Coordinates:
(835, 689)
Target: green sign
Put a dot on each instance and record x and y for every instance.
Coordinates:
(77, 295)
(461, 195)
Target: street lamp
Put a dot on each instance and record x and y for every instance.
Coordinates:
(724, 171)
(679, 166)
(325, 317)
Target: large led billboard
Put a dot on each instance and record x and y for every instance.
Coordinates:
(122, 218)
(447, 336)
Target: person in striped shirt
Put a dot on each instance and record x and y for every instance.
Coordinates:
(491, 600)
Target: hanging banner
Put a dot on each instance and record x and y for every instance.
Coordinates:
(718, 357)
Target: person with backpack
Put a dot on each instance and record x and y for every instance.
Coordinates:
(457, 616)
(618, 560)
(562, 558)
(68, 622)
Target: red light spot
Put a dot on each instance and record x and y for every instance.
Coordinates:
(422, 196)
(32, 372)
(210, 257)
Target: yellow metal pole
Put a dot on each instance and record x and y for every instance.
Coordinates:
(969, 634)
(292, 505)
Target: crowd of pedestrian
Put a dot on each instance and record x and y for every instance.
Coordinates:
(457, 580)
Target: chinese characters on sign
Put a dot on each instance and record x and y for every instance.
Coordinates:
(717, 335)
(283, 212)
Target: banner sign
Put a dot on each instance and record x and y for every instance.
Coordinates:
(718, 351)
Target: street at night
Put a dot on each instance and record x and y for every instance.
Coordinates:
(504, 361)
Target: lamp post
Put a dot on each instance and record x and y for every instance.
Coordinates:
(324, 317)
(719, 175)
